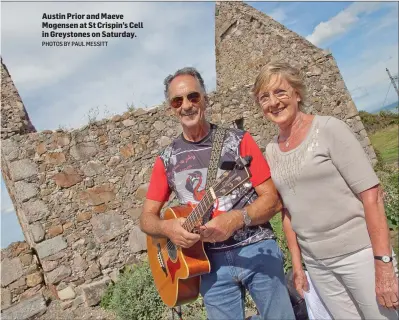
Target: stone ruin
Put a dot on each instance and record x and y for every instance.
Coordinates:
(78, 194)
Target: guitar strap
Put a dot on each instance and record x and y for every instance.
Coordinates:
(218, 136)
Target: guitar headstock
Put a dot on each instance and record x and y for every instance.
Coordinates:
(232, 179)
(237, 175)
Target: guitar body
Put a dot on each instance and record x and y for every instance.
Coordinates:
(176, 271)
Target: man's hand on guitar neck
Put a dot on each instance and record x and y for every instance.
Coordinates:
(153, 225)
(178, 235)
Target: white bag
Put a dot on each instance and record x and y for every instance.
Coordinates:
(314, 305)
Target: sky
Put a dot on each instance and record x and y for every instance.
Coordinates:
(62, 87)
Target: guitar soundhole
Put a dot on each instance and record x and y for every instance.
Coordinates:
(172, 250)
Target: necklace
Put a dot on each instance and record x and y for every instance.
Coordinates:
(298, 126)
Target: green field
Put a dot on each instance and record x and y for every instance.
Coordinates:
(386, 142)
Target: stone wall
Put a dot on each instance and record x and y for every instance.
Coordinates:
(22, 282)
(14, 118)
(80, 193)
(247, 39)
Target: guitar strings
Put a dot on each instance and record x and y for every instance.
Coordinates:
(196, 214)
(169, 244)
(188, 224)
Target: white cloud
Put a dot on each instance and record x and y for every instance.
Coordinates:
(341, 23)
(8, 210)
(60, 85)
(39, 66)
(284, 13)
(387, 21)
(279, 14)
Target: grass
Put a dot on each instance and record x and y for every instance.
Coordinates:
(386, 142)
(277, 225)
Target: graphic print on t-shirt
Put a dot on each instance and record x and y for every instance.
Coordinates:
(190, 176)
(190, 187)
(190, 184)
(194, 183)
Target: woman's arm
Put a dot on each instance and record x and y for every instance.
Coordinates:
(351, 161)
(299, 276)
(386, 281)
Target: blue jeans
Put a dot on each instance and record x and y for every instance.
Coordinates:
(256, 267)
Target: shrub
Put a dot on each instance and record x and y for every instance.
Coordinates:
(389, 178)
(107, 297)
(381, 120)
(381, 165)
(390, 182)
(194, 311)
(134, 295)
(281, 240)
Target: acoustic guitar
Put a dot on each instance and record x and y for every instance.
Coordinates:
(176, 271)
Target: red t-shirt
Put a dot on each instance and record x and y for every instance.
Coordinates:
(183, 167)
(159, 189)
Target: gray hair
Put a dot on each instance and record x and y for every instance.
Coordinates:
(292, 74)
(184, 71)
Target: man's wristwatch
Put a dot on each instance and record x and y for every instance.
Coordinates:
(385, 259)
(247, 218)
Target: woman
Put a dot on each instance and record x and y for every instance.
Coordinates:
(333, 208)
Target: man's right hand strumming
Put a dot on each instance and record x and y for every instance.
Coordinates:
(177, 234)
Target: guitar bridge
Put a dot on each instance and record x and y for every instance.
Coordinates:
(160, 260)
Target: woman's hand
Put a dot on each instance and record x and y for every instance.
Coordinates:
(300, 281)
(386, 285)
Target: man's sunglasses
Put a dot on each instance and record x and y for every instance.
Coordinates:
(193, 97)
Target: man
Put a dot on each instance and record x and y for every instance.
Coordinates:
(240, 243)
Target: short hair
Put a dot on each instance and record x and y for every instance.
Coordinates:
(285, 70)
(184, 71)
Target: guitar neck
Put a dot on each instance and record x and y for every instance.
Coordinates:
(199, 211)
(229, 181)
